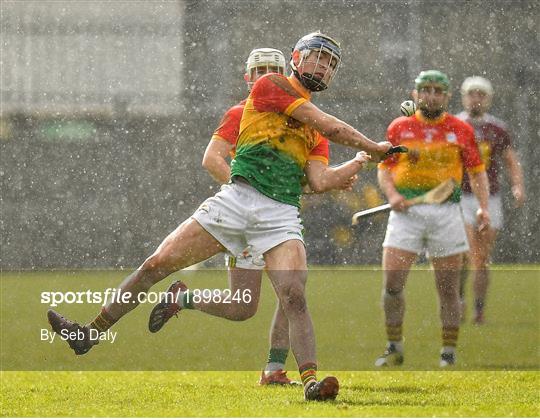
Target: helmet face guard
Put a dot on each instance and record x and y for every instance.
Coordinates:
(264, 60)
(319, 76)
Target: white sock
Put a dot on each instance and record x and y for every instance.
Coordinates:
(272, 367)
(448, 349)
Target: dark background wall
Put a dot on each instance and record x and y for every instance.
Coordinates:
(106, 111)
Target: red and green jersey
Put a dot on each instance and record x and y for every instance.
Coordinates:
(438, 150)
(272, 147)
(229, 128)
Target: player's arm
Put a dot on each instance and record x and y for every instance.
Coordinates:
(323, 178)
(480, 188)
(516, 176)
(337, 130)
(477, 175)
(214, 160)
(386, 183)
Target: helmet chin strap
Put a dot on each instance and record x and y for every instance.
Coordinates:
(309, 82)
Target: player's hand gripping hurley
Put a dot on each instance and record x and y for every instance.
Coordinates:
(374, 160)
(437, 195)
(395, 149)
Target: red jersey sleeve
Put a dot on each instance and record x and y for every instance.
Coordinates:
(321, 151)
(392, 135)
(230, 125)
(274, 93)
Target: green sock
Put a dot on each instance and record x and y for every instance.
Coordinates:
(187, 300)
(276, 359)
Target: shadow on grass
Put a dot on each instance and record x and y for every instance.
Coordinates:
(398, 389)
(503, 367)
(366, 399)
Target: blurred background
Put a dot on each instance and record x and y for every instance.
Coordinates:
(107, 108)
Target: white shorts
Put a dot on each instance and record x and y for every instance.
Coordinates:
(437, 229)
(247, 222)
(469, 206)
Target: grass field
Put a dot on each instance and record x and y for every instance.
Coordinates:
(235, 394)
(204, 366)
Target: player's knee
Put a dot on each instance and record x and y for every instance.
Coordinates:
(155, 268)
(244, 311)
(294, 300)
(449, 292)
(482, 262)
(392, 292)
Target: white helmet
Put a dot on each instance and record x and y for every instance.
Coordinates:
(477, 83)
(269, 58)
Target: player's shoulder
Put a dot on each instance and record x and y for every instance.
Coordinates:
(402, 123)
(237, 109)
(272, 81)
(458, 123)
(272, 77)
(463, 116)
(454, 119)
(495, 122)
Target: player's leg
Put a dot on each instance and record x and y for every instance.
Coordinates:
(237, 303)
(287, 268)
(224, 217)
(240, 302)
(279, 334)
(243, 297)
(469, 205)
(396, 266)
(186, 245)
(447, 273)
(446, 244)
(402, 244)
(481, 244)
(463, 275)
(274, 373)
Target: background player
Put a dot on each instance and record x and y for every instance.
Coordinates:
(440, 146)
(260, 207)
(495, 147)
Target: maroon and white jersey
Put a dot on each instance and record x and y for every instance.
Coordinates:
(492, 139)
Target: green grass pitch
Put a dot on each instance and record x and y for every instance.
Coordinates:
(204, 366)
